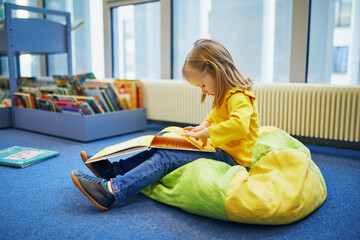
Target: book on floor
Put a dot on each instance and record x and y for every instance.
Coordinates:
(17, 156)
(169, 138)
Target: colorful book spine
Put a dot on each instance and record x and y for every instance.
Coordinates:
(94, 92)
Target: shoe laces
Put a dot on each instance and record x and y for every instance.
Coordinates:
(93, 179)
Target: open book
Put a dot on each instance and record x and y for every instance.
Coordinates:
(169, 138)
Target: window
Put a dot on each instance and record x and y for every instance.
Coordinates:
(334, 43)
(4, 70)
(343, 13)
(257, 34)
(136, 41)
(29, 63)
(86, 39)
(340, 57)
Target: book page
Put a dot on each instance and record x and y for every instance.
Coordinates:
(124, 145)
(116, 154)
(172, 142)
(143, 141)
(171, 137)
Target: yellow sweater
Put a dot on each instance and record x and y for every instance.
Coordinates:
(234, 125)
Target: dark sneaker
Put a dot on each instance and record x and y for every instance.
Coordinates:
(101, 169)
(94, 188)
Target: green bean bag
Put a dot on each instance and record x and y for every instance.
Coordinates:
(282, 184)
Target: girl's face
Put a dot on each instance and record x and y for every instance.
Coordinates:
(201, 80)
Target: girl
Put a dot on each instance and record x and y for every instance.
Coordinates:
(231, 125)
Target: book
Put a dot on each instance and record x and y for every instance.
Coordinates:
(6, 102)
(20, 157)
(168, 138)
(73, 81)
(24, 100)
(96, 94)
(86, 108)
(131, 88)
(108, 93)
(64, 98)
(68, 107)
(20, 101)
(107, 100)
(121, 94)
(91, 103)
(45, 103)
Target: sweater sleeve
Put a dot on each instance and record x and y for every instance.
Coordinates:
(209, 117)
(237, 127)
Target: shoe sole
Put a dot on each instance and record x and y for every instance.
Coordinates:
(78, 185)
(89, 166)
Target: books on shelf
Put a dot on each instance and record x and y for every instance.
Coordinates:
(87, 96)
(45, 103)
(106, 92)
(98, 95)
(73, 81)
(117, 94)
(5, 100)
(79, 105)
(24, 100)
(20, 157)
(35, 81)
(169, 137)
(131, 91)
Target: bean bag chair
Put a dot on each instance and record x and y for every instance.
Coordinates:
(282, 184)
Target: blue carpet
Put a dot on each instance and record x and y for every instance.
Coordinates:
(41, 202)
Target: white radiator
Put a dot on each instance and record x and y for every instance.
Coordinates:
(309, 110)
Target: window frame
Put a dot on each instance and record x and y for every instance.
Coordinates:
(97, 53)
(299, 37)
(165, 11)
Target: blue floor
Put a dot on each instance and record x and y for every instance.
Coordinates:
(41, 202)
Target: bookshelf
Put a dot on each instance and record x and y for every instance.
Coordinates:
(5, 117)
(44, 36)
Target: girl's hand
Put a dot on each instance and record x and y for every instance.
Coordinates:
(202, 134)
(203, 125)
(194, 129)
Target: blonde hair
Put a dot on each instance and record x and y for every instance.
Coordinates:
(211, 57)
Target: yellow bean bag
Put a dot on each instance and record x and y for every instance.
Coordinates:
(282, 184)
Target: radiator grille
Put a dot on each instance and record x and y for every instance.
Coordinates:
(309, 110)
(174, 101)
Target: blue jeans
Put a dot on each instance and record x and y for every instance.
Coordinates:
(145, 168)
